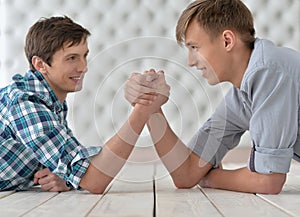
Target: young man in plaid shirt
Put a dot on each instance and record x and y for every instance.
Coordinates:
(36, 144)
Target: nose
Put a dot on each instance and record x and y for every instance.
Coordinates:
(191, 59)
(82, 66)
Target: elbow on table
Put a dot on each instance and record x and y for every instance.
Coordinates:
(95, 189)
(92, 186)
(184, 183)
(273, 183)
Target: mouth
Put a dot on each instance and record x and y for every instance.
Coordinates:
(77, 78)
(202, 68)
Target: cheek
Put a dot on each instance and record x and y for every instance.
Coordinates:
(214, 59)
(201, 58)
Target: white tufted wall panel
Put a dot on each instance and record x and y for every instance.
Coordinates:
(133, 35)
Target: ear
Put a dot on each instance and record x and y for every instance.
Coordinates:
(39, 64)
(229, 39)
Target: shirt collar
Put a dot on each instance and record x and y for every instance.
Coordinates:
(40, 86)
(254, 60)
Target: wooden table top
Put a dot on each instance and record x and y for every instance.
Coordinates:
(157, 197)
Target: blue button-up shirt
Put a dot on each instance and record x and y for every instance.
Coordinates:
(34, 134)
(267, 105)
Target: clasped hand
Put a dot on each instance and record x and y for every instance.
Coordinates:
(147, 89)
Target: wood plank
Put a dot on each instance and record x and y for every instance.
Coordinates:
(134, 178)
(128, 198)
(289, 199)
(5, 193)
(119, 186)
(72, 203)
(231, 203)
(295, 168)
(175, 202)
(134, 204)
(21, 202)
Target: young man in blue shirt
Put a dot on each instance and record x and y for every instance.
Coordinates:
(264, 100)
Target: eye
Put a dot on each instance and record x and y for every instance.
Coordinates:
(192, 48)
(71, 58)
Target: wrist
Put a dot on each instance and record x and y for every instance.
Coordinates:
(143, 111)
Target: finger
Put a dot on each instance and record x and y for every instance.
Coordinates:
(135, 77)
(53, 183)
(47, 186)
(143, 102)
(145, 79)
(35, 180)
(52, 187)
(132, 94)
(137, 88)
(145, 99)
(148, 96)
(46, 179)
(151, 75)
(161, 72)
(57, 185)
(150, 71)
(41, 173)
(134, 74)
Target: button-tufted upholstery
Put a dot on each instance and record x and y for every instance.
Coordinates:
(131, 36)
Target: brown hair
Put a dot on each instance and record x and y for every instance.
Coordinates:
(48, 35)
(215, 16)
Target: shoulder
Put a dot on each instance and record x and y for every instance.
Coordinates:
(14, 91)
(269, 55)
(269, 62)
(24, 92)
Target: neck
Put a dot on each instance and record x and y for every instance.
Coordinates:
(239, 66)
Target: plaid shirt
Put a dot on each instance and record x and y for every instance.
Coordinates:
(34, 134)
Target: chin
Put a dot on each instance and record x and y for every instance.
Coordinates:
(77, 88)
(212, 83)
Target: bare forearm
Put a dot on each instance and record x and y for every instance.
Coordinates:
(183, 165)
(243, 180)
(168, 146)
(105, 166)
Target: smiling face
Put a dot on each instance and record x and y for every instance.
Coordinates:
(206, 54)
(67, 70)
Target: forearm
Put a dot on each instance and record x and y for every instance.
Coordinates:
(119, 147)
(243, 180)
(167, 144)
(182, 164)
(105, 166)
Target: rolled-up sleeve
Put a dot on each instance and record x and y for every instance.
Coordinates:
(274, 122)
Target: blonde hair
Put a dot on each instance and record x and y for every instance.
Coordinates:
(215, 16)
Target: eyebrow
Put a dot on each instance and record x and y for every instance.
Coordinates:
(190, 43)
(77, 54)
